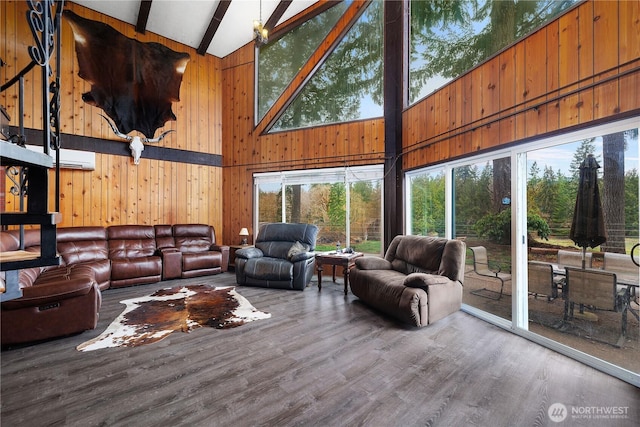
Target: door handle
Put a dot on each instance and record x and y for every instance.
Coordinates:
(632, 258)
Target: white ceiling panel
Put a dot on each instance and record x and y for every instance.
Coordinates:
(193, 16)
(186, 21)
(124, 10)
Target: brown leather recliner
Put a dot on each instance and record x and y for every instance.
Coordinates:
(200, 254)
(132, 251)
(86, 246)
(56, 301)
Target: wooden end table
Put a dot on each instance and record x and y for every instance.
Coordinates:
(232, 254)
(346, 261)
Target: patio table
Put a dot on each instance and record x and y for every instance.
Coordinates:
(621, 278)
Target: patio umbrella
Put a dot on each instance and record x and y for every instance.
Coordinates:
(587, 227)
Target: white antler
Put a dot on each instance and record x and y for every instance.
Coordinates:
(159, 138)
(115, 129)
(136, 143)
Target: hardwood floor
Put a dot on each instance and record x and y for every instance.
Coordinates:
(321, 359)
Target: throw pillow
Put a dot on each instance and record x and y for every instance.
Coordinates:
(297, 248)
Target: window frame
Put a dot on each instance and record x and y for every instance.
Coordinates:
(518, 153)
(346, 175)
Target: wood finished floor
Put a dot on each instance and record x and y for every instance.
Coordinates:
(322, 359)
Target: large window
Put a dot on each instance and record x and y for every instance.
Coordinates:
(345, 203)
(591, 323)
(448, 38)
(348, 85)
(426, 197)
(280, 60)
(514, 208)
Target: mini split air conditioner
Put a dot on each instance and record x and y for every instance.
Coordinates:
(71, 159)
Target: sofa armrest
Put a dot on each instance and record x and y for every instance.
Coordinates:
(224, 250)
(303, 256)
(219, 248)
(424, 280)
(40, 295)
(171, 263)
(444, 294)
(249, 253)
(373, 263)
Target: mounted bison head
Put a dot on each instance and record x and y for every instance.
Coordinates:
(133, 82)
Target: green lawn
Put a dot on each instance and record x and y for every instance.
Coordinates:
(565, 241)
(501, 254)
(368, 247)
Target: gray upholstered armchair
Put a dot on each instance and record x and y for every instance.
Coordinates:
(418, 281)
(282, 257)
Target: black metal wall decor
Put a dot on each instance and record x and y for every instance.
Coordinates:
(43, 18)
(28, 170)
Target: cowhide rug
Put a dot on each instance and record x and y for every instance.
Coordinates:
(153, 317)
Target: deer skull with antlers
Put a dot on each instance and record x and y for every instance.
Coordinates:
(136, 143)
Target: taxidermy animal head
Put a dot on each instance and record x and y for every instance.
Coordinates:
(136, 143)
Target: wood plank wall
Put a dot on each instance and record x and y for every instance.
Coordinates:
(117, 191)
(247, 152)
(580, 69)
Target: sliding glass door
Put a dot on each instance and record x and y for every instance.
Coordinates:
(525, 272)
(584, 293)
(482, 218)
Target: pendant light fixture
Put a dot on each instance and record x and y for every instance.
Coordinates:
(261, 33)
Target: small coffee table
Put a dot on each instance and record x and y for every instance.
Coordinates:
(346, 261)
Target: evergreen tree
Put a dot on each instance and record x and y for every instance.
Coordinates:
(631, 200)
(587, 146)
(613, 194)
(534, 173)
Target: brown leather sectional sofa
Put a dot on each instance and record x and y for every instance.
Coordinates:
(65, 299)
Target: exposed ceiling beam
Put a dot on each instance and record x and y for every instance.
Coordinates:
(213, 26)
(395, 17)
(277, 14)
(311, 12)
(344, 24)
(143, 16)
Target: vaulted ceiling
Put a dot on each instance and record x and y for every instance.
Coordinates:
(216, 27)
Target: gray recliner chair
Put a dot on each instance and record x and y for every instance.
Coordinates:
(282, 258)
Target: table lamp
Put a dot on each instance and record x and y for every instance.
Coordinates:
(244, 233)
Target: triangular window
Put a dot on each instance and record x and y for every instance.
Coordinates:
(348, 86)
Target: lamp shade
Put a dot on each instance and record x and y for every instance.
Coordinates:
(244, 232)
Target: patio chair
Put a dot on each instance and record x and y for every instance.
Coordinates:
(622, 265)
(574, 259)
(540, 280)
(570, 259)
(481, 267)
(626, 272)
(596, 290)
